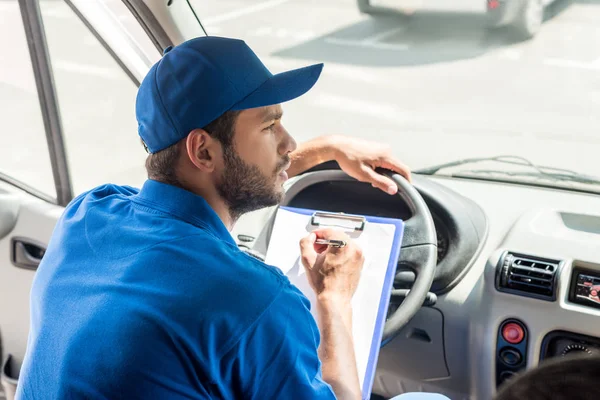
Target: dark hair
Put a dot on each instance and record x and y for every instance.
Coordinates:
(569, 378)
(161, 166)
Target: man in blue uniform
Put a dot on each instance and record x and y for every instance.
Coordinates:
(143, 294)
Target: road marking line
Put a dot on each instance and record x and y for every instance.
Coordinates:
(389, 46)
(383, 35)
(262, 31)
(361, 43)
(243, 11)
(282, 33)
(350, 73)
(354, 73)
(559, 62)
(373, 41)
(382, 111)
(511, 54)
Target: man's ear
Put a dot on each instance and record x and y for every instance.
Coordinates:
(202, 149)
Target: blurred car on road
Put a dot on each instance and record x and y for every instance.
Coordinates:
(523, 18)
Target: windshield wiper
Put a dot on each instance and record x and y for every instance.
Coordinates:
(538, 171)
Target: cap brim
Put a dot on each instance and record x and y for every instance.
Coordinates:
(282, 87)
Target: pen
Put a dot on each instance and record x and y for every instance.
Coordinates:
(331, 242)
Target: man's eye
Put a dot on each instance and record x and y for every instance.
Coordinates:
(270, 127)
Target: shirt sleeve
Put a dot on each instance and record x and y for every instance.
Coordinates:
(277, 357)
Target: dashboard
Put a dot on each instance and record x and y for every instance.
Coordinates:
(517, 281)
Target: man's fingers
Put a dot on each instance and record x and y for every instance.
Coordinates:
(330, 233)
(307, 250)
(380, 181)
(395, 165)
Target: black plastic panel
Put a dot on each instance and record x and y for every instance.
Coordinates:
(352, 198)
(557, 343)
(585, 287)
(505, 370)
(504, 265)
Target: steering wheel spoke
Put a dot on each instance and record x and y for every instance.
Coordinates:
(414, 234)
(414, 258)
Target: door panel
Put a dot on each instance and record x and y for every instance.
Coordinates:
(34, 223)
(9, 210)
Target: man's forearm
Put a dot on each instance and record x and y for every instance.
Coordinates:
(311, 153)
(336, 351)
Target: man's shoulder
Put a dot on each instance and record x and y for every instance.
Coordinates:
(106, 191)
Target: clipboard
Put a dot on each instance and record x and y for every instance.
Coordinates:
(354, 226)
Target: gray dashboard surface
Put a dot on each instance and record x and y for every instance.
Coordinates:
(530, 221)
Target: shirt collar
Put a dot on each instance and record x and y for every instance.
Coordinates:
(184, 205)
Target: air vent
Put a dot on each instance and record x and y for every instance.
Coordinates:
(527, 276)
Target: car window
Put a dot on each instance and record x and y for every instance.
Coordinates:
(440, 81)
(97, 104)
(24, 150)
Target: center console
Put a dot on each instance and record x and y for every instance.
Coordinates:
(535, 277)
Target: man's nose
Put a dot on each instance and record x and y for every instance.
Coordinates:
(288, 144)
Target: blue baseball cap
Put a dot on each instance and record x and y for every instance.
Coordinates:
(197, 81)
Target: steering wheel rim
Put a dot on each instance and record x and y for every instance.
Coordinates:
(419, 243)
(418, 252)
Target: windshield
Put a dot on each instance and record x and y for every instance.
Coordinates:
(439, 81)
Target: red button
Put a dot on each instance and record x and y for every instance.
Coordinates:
(513, 333)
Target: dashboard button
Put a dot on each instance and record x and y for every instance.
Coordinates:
(510, 357)
(506, 375)
(513, 333)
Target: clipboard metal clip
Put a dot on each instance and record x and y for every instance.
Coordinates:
(351, 222)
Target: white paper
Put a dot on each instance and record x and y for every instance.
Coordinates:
(376, 241)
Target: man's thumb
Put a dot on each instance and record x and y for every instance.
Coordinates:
(307, 250)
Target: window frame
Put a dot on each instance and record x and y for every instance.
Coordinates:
(46, 88)
(44, 81)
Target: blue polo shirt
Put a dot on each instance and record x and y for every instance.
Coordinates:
(145, 295)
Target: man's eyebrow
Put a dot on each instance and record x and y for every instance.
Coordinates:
(272, 115)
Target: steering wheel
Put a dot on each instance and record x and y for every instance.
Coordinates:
(419, 243)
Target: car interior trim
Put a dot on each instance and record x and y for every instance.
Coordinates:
(40, 60)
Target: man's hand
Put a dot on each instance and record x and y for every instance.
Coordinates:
(333, 274)
(358, 158)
